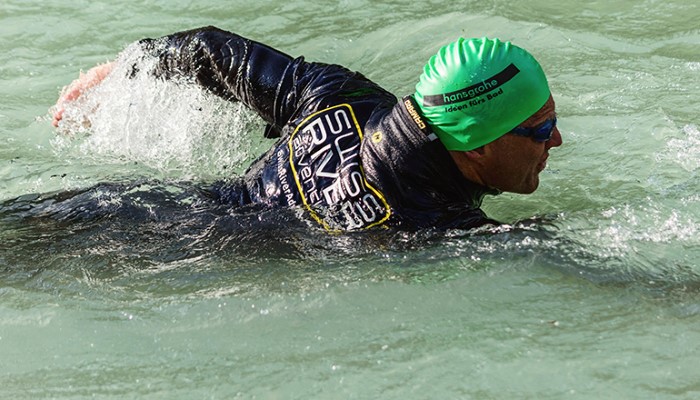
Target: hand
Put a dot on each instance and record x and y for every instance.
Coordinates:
(84, 82)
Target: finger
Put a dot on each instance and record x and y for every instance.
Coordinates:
(57, 117)
(71, 93)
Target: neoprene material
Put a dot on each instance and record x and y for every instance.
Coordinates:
(349, 153)
(474, 91)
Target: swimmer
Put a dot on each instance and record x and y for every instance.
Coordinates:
(480, 122)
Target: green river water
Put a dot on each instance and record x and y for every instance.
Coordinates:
(598, 299)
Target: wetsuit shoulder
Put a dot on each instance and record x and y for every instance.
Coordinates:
(417, 175)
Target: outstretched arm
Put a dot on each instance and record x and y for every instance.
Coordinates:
(233, 67)
(268, 81)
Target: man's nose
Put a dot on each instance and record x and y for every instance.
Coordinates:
(555, 140)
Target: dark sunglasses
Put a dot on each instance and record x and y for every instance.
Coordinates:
(540, 133)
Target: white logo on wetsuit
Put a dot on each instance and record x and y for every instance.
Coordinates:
(325, 160)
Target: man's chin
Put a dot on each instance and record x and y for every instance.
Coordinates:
(526, 189)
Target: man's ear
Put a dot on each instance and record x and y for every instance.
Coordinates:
(468, 156)
(470, 163)
(475, 154)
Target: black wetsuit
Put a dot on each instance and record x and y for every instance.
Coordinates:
(348, 151)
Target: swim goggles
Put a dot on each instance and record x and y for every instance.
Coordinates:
(540, 133)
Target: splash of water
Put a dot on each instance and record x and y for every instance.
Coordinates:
(683, 151)
(686, 151)
(643, 242)
(171, 126)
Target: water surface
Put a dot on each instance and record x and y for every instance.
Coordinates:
(595, 294)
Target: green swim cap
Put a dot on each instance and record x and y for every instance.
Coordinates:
(474, 91)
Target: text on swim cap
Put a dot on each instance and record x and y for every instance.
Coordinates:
(472, 91)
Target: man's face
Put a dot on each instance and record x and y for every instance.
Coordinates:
(513, 163)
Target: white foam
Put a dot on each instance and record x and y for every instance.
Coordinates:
(684, 151)
(172, 126)
(628, 229)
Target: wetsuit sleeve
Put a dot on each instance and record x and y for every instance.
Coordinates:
(232, 67)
